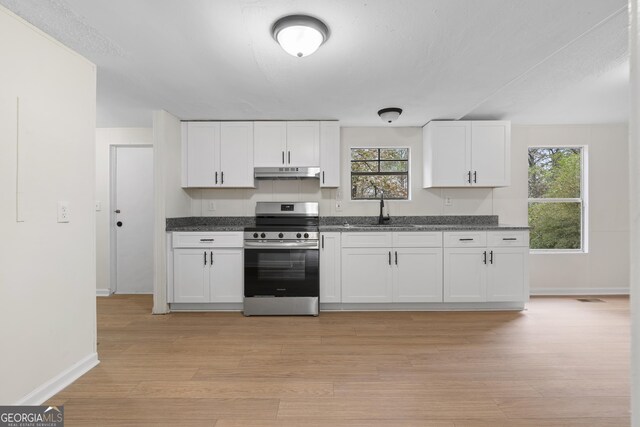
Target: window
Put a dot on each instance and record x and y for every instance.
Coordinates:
(556, 198)
(376, 171)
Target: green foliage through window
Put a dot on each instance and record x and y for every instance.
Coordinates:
(379, 170)
(555, 198)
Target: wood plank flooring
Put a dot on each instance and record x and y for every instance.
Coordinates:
(559, 363)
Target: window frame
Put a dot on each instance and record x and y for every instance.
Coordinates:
(381, 147)
(583, 200)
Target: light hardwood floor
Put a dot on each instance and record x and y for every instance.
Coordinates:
(559, 363)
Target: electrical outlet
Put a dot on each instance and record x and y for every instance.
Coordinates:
(338, 205)
(212, 205)
(448, 201)
(63, 212)
(98, 206)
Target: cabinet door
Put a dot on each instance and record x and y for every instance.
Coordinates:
(190, 275)
(329, 154)
(270, 144)
(330, 289)
(507, 273)
(490, 153)
(417, 275)
(366, 275)
(447, 154)
(226, 275)
(236, 154)
(202, 152)
(465, 275)
(303, 144)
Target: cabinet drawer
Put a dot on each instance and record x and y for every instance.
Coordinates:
(507, 238)
(420, 239)
(465, 239)
(208, 239)
(366, 240)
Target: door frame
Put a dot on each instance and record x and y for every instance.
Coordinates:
(112, 239)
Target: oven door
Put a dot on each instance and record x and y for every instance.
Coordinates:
(281, 272)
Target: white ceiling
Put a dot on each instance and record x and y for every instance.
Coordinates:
(545, 61)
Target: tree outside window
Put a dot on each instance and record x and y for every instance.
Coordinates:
(556, 199)
(376, 171)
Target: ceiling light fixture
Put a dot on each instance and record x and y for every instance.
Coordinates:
(300, 35)
(390, 115)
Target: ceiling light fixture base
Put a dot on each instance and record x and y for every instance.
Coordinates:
(300, 35)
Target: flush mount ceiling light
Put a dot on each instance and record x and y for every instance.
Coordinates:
(390, 115)
(300, 35)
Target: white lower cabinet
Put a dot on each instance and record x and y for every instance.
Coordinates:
(330, 261)
(210, 274)
(386, 274)
(490, 267)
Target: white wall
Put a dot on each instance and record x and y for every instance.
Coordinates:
(105, 139)
(605, 268)
(47, 269)
(170, 200)
(242, 202)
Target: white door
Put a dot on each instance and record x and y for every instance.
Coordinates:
(203, 148)
(490, 153)
(303, 144)
(366, 275)
(329, 154)
(191, 275)
(236, 154)
(465, 275)
(506, 274)
(330, 268)
(270, 144)
(451, 151)
(133, 206)
(417, 275)
(226, 283)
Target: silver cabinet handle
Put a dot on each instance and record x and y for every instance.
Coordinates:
(323, 177)
(469, 177)
(221, 177)
(322, 242)
(396, 257)
(205, 257)
(484, 257)
(216, 177)
(465, 240)
(283, 157)
(389, 257)
(211, 258)
(491, 257)
(475, 180)
(207, 240)
(289, 157)
(509, 238)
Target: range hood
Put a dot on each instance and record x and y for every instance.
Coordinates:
(287, 173)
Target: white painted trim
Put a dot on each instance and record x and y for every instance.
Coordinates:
(578, 291)
(103, 292)
(56, 384)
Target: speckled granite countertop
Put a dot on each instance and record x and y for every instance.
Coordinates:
(415, 223)
(354, 223)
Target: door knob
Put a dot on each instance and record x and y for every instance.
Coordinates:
(119, 223)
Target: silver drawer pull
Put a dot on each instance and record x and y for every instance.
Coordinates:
(509, 238)
(207, 240)
(466, 240)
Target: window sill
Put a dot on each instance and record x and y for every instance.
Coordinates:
(558, 252)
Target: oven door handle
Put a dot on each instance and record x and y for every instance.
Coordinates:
(282, 245)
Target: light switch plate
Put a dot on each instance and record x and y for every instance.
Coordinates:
(212, 205)
(98, 206)
(447, 201)
(338, 205)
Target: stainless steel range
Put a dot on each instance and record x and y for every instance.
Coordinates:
(281, 269)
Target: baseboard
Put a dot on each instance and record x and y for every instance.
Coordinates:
(103, 292)
(578, 291)
(52, 387)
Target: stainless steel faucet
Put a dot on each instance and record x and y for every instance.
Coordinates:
(382, 218)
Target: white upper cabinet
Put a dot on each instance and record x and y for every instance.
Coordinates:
(467, 153)
(217, 154)
(236, 154)
(329, 154)
(270, 144)
(200, 148)
(286, 144)
(303, 144)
